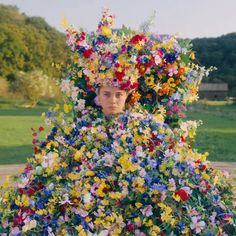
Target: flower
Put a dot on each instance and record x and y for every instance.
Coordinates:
(183, 194)
(197, 225)
(150, 81)
(147, 211)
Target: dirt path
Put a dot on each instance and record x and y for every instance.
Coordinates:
(14, 169)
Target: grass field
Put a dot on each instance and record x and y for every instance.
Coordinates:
(16, 133)
(217, 135)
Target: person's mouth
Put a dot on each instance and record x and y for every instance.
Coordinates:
(112, 107)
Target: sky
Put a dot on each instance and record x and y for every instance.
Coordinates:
(188, 18)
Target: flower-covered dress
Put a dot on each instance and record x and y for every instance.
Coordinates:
(123, 175)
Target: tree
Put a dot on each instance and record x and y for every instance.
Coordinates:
(32, 85)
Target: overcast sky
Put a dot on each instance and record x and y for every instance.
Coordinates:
(189, 18)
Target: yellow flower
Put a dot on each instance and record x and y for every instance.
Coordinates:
(7, 182)
(105, 202)
(89, 173)
(106, 31)
(22, 201)
(100, 189)
(73, 176)
(79, 153)
(126, 164)
(148, 223)
(176, 197)
(150, 81)
(171, 82)
(138, 204)
(192, 55)
(56, 108)
(41, 212)
(30, 225)
(205, 176)
(115, 195)
(79, 74)
(166, 217)
(67, 108)
(156, 228)
(67, 129)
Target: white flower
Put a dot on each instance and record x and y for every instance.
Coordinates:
(81, 212)
(47, 160)
(65, 86)
(147, 211)
(104, 233)
(65, 199)
(87, 198)
(197, 225)
(23, 181)
(81, 105)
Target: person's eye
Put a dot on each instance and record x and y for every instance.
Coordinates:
(118, 95)
(106, 94)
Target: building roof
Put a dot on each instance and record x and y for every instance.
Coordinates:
(213, 87)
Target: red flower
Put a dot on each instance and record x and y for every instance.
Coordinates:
(31, 191)
(141, 68)
(203, 167)
(151, 148)
(130, 227)
(36, 150)
(41, 128)
(34, 141)
(134, 85)
(119, 75)
(182, 139)
(181, 71)
(21, 190)
(183, 194)
(137, 38)
(28, 168)
(18, 220)
(88, 53)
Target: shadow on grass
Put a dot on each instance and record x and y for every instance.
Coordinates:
(15, 154)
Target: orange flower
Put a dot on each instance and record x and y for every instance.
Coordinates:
(181, 71)
(165, 89)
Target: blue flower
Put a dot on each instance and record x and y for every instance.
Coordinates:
(180, 226)
(41, 203)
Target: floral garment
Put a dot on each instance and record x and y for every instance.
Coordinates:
(123, 175)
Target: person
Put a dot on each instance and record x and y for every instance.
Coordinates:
(124, 164)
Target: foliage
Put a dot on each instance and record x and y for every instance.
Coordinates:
(34, 85)
(4, 87)
(219, 52)
(28, 43)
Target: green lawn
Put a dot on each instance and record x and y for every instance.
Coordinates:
(217, 135)
(16, 133)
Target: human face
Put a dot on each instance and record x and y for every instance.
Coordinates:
(112, 100)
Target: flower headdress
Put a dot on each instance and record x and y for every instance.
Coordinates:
(159, 69)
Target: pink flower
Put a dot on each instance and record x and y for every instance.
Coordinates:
(15, 231)
(197, 225)
(139, 233)
(147, 211)
(81, 212)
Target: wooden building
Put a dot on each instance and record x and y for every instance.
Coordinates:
(213, 91)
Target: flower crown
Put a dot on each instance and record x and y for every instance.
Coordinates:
(160, 70)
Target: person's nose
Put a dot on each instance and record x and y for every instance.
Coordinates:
(113, 99)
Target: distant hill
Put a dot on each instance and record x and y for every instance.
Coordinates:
(219, 52)
(30, 43)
